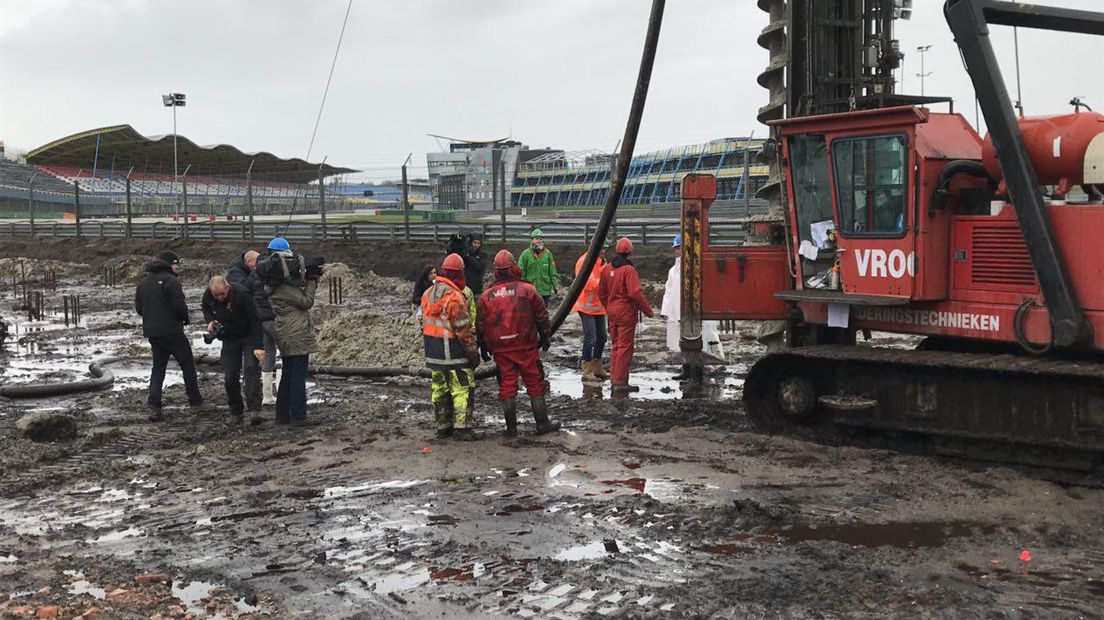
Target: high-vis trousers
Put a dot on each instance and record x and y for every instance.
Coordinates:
(453, 385)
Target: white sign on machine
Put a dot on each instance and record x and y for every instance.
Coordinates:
(877, 263)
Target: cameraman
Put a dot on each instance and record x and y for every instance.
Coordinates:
(469, 246)
(290, 283)
(475, 263)
(232, 318)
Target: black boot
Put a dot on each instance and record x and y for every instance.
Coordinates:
(509, 411)
(540, 414)
(684, 374)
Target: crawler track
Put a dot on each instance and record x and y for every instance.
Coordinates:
(1038, 411)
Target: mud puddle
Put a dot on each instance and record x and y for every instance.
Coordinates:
(654, 384)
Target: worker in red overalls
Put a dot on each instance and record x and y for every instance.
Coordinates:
(620, 294)
(511, 323)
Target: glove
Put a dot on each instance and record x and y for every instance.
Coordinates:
(473, 359)
(545, 342)
(484, 354)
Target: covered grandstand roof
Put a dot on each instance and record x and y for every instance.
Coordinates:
(120, 147)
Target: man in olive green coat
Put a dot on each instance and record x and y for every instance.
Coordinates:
(292, 299)
(538, 267)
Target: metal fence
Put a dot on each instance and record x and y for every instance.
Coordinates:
(650, 232)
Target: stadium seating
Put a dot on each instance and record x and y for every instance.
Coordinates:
(18, 175)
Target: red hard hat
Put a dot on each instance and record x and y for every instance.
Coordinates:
(453, 262)
(504, 260)
(624, 246)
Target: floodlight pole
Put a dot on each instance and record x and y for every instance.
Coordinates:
(923, 49)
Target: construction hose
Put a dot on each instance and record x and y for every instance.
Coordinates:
(370, 372)
(617, 183)
(102, 378)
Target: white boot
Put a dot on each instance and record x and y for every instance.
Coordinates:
(268, 379)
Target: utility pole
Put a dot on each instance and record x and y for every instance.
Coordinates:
(502, 201)
(249, 198)
(184, 186)
(30, 201)
(129, 210)
(322, 197)
(76, 206)
(406, 199)
(923, 49)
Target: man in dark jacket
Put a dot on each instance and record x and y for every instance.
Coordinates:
(243, 272)
(229, 312)
(159, 300)
(475, 263)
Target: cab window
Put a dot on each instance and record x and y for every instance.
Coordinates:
(870, 176)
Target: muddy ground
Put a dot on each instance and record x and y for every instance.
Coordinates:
(666, 504)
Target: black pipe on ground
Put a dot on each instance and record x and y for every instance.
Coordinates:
(102, 378)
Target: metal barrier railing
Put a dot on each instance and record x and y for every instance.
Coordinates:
(652, 232)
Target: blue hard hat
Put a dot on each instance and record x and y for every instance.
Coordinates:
(279, 244)
(677, 241)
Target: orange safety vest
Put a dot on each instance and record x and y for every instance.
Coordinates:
(446, 326)
(588, 302)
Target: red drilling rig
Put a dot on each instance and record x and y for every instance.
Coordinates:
(897, 218)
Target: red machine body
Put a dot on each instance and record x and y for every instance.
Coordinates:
(1059, 148)
(917, 252)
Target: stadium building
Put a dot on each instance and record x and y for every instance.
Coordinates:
(557, 180)
(210, 180)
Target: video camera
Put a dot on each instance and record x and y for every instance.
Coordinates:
(216, 333)
(299, 269)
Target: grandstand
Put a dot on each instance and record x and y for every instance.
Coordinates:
(554, 180)
(214, 180)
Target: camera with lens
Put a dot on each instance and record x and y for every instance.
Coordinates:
(298, 269)
(215, 333)
(312, 267)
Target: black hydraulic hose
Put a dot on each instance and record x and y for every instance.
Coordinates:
(102, 378)
(941, 193)
(371, 372)
(617, 183)
(1021, 337)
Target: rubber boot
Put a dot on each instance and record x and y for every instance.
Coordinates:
(588, 370)
(442, 414)
(684, 374)
(509, 411)
(463, 434)
(268, 396)
(540, 414)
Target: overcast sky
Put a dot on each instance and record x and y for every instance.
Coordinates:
(553, 73)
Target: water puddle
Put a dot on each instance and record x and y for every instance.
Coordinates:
(83, 586)
(590, 551)
(653, 384)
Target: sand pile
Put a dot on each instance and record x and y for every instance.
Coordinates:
(355, 283)
(367, 338)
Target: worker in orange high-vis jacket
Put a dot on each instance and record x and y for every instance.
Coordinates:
(593, 315)
(619, 291)
(450, 349)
